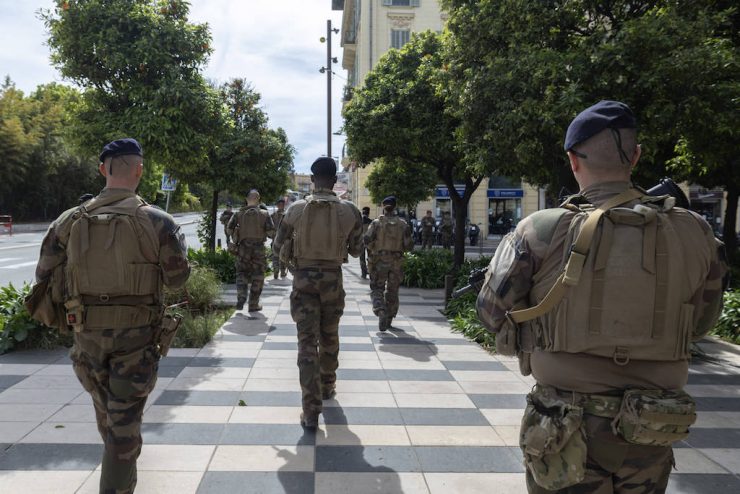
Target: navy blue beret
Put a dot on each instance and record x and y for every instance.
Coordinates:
(324, 167)
(121, 147)
(604, 114)
(390, 200)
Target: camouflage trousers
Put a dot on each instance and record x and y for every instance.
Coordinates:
(278, 268)
(316, 305)
(118, 367)
(251, 264)
(446, 240)
(427, 240)
(386, 273)
(363, 261)
(615, 466)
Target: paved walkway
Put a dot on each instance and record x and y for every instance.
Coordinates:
(418, 410)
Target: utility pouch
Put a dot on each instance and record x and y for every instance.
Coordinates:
(170, 324)
(655, 417)
(75, 314)
(506, 339)
(553, 441)
(40, 304)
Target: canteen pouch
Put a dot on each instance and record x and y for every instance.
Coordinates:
(553, 441)
(655, 417)
(167, 332)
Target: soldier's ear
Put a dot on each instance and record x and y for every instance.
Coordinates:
(102, 169)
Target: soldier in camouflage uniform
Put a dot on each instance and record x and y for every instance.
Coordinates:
(611, 328)
(249, 228)
(277, 267)
(387, 238)
(317, 234)
(117, 364)
(363, 254)
(445, 229)
(427, 231)
(224, 219)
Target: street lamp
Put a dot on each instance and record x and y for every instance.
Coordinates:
(329, 61)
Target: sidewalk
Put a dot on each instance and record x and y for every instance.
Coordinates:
(418, 410)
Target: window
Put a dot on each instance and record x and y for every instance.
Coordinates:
(399, 37)
(401, 3)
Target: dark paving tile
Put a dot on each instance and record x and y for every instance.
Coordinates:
(362, 416)
(499, 401)
(452, 341)
(51, 457)
(706, 404)
(718, 379)
(362, 333)
(8, 381)
(199, 398)
(278, 345)
(271, 399)
(353, 327)
(355, 347)
(282, 327)
(425, 302)
(175, 361)
(474, 366)
(32, 357)
(443, 416)
(221, 362)
(284, 332)
(713, 438)
(169, 371)
(366, 459)
(418, 375)
(361, 374)
(262, 482)
(430, 317)
(239, 337)
(283, 434)
(390, 340)
(469, 459)
(701, 483)
(181, 433)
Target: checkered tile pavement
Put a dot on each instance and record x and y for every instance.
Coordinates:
(418, 410)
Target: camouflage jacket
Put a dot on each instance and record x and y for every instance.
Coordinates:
(371, 236)
(427, 224)
(173, 255)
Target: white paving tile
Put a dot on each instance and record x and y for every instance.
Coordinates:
(175, 458)
(383, 481)
(42, 482)
(263, 459)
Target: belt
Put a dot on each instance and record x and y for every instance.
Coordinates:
(606, 406)
(90, 300)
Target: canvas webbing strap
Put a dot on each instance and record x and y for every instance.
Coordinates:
(573, 268)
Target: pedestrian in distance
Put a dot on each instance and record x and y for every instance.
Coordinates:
(249, 228)
(278, 268)
(600, 300)
(363, 253)
(387, 238)
(446, 228)
(315, 237)
(103, 264)
(428, 225)
(224, 219)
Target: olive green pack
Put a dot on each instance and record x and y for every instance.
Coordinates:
(251, 225)
(390, 234)
(320, 233)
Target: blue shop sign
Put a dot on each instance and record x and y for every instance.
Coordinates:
(444, 192)
(505, 193)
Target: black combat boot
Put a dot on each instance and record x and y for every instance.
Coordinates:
(240, 303)
(310, 420)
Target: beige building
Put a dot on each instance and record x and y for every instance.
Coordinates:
(369, 29)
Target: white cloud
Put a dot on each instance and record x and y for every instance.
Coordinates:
(273, 44)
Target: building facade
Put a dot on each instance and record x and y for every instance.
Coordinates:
(369, 29)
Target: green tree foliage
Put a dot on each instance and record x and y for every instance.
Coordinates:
(522, 70)
(139, 62)
(410, 182)
(40, 176)
(402, 113)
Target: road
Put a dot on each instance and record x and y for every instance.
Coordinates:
(20, 253)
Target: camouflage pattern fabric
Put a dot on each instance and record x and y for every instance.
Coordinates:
(251, 264)
(278, 269)
(363, 253)
(316, 305)
(445, 229)
(224, 219)
(427, 232)
(386, 274)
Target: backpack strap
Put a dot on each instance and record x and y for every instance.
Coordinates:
(577, 258)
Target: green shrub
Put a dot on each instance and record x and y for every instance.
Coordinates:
(426, 268)
(220, 260)
(201, 290)
(18, 330)
(728, 326)
(467, 323)
(197, 331)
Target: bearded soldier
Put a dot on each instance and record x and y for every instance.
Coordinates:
(316, 235)
(600, 300)
(105, 263)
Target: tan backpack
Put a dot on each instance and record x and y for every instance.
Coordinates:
(112, 274)
(619, 293)
(318, 234)
(390, 234)
(252, 225)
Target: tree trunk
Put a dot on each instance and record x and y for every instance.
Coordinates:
(461, 209)
(729, 232)
(214, 214)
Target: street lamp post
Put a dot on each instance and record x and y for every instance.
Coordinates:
(329, 61)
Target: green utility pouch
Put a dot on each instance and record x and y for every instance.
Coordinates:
(167, 332)
(553, 441)
(655, 417)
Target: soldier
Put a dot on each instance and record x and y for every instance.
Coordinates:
(249, 228)
(621, 282)
(277, 216)
(317, 234)
(107, 260)
(224, 219)
(387, 239)
(365, 224)
(427, 231)
(445, 229)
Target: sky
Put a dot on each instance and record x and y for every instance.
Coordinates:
(273, 44)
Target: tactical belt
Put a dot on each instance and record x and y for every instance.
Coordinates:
(120, 316)
(328, 269)
(97, 300)
(606, 406)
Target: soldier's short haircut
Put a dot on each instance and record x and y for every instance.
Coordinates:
(610, 149)
(122, 165)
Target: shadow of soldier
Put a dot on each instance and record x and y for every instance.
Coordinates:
(399, 342)
(293, 475)
(245, 324)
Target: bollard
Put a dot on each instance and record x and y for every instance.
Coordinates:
(449, 286)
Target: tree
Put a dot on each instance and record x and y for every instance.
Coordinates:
(402, 113)
(411, 183)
